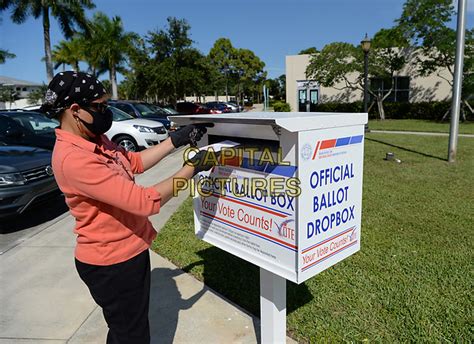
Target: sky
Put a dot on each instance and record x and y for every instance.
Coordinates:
(272, 29)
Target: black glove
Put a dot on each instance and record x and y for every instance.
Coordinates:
(203, 161)
(189, 134)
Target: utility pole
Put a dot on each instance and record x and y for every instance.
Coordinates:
(457, 84)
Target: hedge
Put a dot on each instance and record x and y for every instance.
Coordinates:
(281, 107)
(423, 110)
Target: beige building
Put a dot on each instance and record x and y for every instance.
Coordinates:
(21, 88)
(303, 95)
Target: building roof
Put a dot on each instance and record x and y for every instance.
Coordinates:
(5, 80)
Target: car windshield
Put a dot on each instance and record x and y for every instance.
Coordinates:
(35, 122)
(158, 110)
(119, 115)
(171, 111)
(145, 110)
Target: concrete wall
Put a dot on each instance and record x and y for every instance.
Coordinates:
(431, 88)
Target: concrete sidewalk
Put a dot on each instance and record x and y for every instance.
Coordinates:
(42, 299)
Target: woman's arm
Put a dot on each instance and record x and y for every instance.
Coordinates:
(165, 188)
(189, 134)
(151, 156)
(193, 166)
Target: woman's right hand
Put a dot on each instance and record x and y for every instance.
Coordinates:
(204, 160)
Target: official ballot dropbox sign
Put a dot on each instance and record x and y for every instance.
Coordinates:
(288, 237)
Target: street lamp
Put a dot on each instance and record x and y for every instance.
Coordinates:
(365, 43)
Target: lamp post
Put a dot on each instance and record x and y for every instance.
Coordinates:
(365, 43)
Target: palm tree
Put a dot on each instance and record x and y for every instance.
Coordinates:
(69, 53)
(69, 13)
(109, 46)
(5, 54)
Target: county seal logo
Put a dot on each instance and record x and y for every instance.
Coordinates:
(306, 151)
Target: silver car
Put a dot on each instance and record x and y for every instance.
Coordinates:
(135, 134)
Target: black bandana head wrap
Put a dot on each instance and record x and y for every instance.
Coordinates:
(68, 88)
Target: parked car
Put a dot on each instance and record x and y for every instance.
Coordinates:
(219, 107)
(189, 108)
(26, 178)
(142, 110)
(135, 134)
(235, 107)
(26, 128)
(169, 112)
(31, 108)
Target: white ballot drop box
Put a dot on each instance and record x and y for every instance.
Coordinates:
(290, 199)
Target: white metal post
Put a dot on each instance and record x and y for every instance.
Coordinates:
(272, 307)
(457, 82)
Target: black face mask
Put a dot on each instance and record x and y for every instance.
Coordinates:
(101, 121)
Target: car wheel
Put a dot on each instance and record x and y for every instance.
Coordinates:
(127, 142)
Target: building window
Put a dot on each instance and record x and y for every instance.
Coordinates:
(400, 92)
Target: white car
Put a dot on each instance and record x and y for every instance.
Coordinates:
(135, 134)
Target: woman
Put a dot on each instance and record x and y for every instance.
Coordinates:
(111, 211)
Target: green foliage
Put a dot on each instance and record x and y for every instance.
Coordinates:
(238, 69)
(107, 85)
(341, 65)
(426, 24)
(8, 94)
(281, 107)
(108, 46)
(70, 52)
(223, 56)
(37, 96)
(308, 51)
(174, 68)
(69, 14)
(339, 107)
(277, 87)
(422, 110)
(468, 75)
(4, 55)
(334, 63)
(423, 21)
(390, 50)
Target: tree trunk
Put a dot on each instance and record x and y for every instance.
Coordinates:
(469, 106)
(380, 107)
(113, 82)
(47, 44)
(226, 88)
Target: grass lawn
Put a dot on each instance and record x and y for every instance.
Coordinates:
(419, 125)
(412, 281)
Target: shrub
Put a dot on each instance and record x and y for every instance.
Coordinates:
(281, 107)
(339, 107)
(424, 110)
